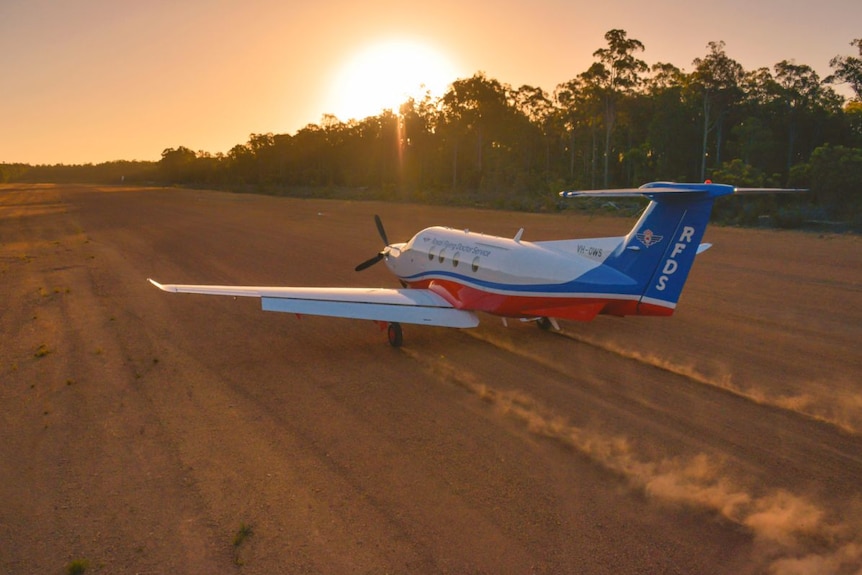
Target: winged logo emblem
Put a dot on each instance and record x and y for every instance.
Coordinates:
(648, 238)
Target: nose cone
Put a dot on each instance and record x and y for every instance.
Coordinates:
(391, 254)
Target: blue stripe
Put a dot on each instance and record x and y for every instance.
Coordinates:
(599, 281)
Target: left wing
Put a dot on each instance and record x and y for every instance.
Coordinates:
(419, 306)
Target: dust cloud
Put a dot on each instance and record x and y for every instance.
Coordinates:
(794, 535)
(828, 402)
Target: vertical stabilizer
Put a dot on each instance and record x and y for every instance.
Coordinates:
(681, 223)
(660, 249)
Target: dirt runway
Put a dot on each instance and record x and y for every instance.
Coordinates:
(145, 432)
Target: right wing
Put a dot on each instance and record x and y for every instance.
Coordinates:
(419, 306)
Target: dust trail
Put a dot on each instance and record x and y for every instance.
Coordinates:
(794, 536)
(832, 404)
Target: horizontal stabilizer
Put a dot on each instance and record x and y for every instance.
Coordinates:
(746, 191)
(669, 190)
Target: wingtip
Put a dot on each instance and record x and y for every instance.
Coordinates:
(157, 284)
(744, 191)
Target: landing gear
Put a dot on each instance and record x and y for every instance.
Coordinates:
(396, 336)
(547, 323)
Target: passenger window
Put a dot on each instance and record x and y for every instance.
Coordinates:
(442, 256)
(431, 254)
(476, 264)
(455, 260)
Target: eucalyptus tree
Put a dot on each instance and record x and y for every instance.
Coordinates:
(848, 70)
(805, 100)
(537, 110)
(476, 112)
(281, 145)
(262, 147)
(177, 164)
(615, 74)
(418, 158)
(761, 119)
(853, 116)
(670, 135)
(355, 152)
(579, 113)
(242, 165)
(716, 80)
(310, 160)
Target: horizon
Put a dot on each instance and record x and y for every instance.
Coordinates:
(103, 83)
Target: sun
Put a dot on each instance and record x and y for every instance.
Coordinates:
(384, 75)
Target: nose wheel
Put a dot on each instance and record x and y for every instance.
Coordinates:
(395, 334)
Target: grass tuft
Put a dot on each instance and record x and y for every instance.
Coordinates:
(77, 567)
(244, 532)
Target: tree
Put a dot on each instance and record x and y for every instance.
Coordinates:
(12, 172)
(853, 115)
(834, 174)
(801, 92)
(416, 145)
(262, 147)
(177, 164)
(242, 164)
(579, 117)
(848, 70)
(617, 73)
(537, 109)
(475, 112)
(717, 79)
(671, 136)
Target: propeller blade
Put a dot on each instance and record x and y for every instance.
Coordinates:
(368, 263)
(380, 230)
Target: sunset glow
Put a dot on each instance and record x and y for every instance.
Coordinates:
(385, 75)
(102, 80)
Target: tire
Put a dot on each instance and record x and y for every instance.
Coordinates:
(544, 324)
(395, 334)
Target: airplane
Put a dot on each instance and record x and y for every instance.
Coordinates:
(449, 275)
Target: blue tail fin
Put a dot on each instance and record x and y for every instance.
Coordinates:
(660, 250)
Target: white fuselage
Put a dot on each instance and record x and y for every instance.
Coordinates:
(467, 267)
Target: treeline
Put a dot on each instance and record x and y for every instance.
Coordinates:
(620, 123)
(106, 173)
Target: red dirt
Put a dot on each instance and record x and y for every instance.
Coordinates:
(142, 430)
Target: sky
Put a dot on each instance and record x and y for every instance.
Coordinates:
(89, 81)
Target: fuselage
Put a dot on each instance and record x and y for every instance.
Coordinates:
(516, 278)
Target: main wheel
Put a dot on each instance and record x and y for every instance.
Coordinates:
(396, 336)
(544, 323)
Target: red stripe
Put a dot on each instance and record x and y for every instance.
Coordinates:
(574, 308)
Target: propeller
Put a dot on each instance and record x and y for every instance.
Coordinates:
(380, 255)
(380, 230)
(370, 262)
